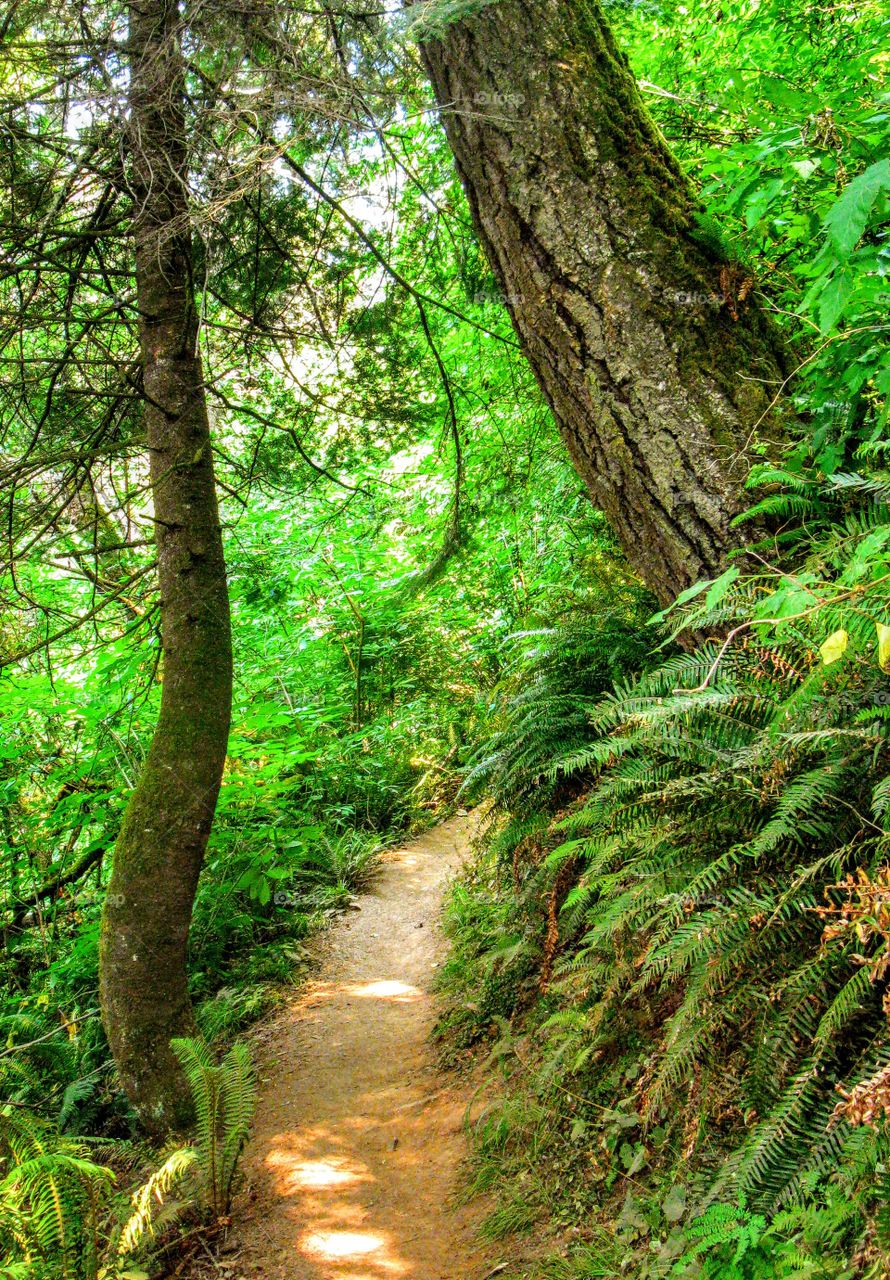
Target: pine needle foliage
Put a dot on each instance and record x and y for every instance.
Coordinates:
(433, 17)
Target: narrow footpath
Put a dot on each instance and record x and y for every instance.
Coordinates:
(356, 1151)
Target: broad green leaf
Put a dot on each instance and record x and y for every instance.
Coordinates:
(848, 217)
(869, 559)
(689, 594)
(834, 647)
(720, 587)
(883, 645)
(674, 1204)
(804, 167)
(761, 200)
(834, 298)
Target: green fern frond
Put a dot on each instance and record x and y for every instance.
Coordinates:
(224, 1096)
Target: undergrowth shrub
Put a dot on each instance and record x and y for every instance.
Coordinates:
(62, 1216)
(696, 864)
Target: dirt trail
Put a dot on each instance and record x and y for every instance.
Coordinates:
(358, 1139)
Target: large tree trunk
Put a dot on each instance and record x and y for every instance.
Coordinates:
(161, 846)
(659, 368)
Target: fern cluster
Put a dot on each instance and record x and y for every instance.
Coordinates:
(724, 795)
(224, 1095)
(715, 826)
(560, 672)
(61, 1216)
(51, 1201)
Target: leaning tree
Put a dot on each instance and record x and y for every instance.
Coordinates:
(661, 368)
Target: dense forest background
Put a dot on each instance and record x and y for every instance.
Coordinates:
(675, 941)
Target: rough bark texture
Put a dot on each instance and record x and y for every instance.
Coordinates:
(658, 367)
(161, 845)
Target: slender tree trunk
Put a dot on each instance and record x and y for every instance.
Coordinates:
(158, 857)
(659, 368)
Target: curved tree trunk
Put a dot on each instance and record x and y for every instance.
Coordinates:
(658, 367)
(161, 846)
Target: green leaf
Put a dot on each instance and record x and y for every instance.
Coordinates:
(761, 200)
(674, 1204)
(689, 594)
(804, 167)
(720, 587)
(847, 218)
(834, 298)
(834, 647)
(883, 645)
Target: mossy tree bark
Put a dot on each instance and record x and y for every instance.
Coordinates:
(659, 369)
(160, 849)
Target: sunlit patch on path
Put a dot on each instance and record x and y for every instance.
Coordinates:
(391, 990)
(359, 1139)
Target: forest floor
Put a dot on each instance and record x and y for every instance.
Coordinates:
(356, 1151)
